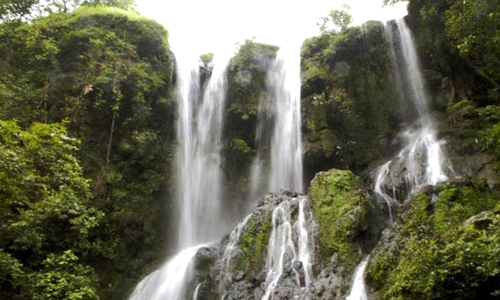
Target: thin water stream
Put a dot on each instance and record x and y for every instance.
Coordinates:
(421, 161)
(290, 241)
(358, 288)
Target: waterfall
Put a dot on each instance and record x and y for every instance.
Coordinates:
(286, 145)
(168, 282)
(199, 160)
(290, 242)
(199, 133)
(358, 288)
(421, 161)
(258, 182)
(283, 103)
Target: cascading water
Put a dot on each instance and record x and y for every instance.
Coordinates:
(286, 145)
(421, 161)
(230, 251)
(259, 183)
(167, 282)
(199, 130)
(283, 103)
(358, 288)
(199, 167)
(290, 242)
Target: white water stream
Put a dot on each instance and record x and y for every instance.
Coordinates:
(358, 289)
(286, 144)
(199, 133)
(283, 166)
(421, 161)
(199, 160)
(169, 280)
(290, 242)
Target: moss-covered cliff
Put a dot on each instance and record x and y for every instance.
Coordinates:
(445, 245)
(246, 89)
(351, 110)
(106, 74)
(349, 225)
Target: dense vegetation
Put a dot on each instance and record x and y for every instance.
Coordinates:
(445, 243)
(104, 77)
(342, 213)
(352, 114)
(43, 191)
(446, 248)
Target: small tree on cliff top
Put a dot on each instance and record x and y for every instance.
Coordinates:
(340, 19)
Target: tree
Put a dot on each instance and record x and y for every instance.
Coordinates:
(123, 4)
(110, 75)
(43, 190)
(16, 9)
(392, 2)
(32, 9)
(340, 19)
(474, 27)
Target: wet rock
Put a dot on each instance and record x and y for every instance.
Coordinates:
(480, 221)
(238, 267)
(201, 284)
(244, 276)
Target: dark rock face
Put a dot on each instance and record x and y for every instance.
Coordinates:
(201, 285)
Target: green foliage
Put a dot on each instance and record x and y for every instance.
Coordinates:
(247, 77)
(64, 278)
(438, 252)
(122, 4)
(474, 27)
(31, 9)
(392, 2)
(109, 74)
(207, 58)
(247, 85)
(350, 111)
(13, 9)
(43, 190)
(340, 19)
(475, 129)
(342, 213)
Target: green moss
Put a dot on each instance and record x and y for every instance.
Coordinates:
(254, 241)
(246, 86)
(341, 211)
(345, 90)
(457, 203)
(247, 77)
(418, 214)
(435, 254)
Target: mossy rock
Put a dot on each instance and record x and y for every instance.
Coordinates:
(342, 211)
(445, 245)
(346, 91)
(253, 242)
